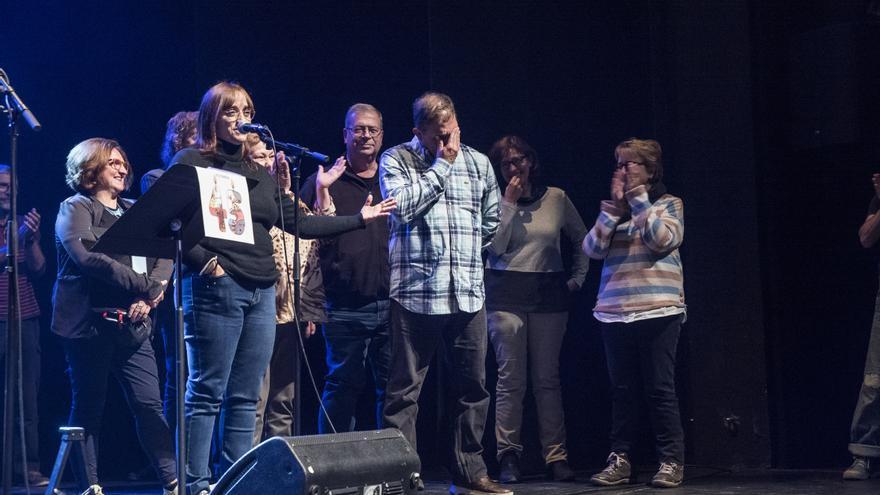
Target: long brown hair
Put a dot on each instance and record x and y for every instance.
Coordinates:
(216, 100)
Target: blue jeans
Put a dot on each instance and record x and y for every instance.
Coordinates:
(229, 332)
(865, 429)
(355, 338)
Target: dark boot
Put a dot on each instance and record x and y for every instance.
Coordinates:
(560, 471)
(509, 471)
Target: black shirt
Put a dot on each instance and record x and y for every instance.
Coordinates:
(354, 265)
(254, 264)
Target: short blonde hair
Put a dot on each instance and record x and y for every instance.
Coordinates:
(88, 159)
(648, 151)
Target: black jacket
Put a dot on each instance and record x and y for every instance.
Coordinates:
(89, 280)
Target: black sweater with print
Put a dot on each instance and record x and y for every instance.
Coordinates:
(254, 264)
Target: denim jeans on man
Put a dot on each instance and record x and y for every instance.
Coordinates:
(355, 338)
(641, 363)
(865, 429)
(229, 332)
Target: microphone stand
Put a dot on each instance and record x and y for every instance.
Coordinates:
(180, 358)
(295, 177)
(295, 153)
(13, 108)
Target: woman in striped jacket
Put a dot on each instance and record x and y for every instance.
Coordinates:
(641, 307)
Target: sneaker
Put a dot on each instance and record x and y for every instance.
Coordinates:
(418, 483)
(618, 471)
(94, 490)
(170, 489)
(36, 479)
(482, 486)
(560, 471)
(860, 469)
(509, 471)
(669, 475)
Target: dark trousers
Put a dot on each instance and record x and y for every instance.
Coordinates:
(641, 363)
(275, 406)
(357, 342)
(164, 321)
(865, 429)
(414, 340)
(30, 382)
(90, 362)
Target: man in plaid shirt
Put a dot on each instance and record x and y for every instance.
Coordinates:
(447, 212)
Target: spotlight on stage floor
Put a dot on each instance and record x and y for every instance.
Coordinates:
(357, 463)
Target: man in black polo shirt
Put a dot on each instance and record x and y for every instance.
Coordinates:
(356, 279)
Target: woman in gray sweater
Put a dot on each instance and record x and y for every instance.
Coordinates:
(527, 295)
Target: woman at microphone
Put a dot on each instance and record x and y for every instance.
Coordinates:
(229, 292)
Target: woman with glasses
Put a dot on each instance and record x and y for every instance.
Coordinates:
(527, 298)
(229, 290)
(101, 310)
(641, 308)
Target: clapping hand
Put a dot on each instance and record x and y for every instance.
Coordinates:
(617, 185)
(29, 230)
(371, 211)
(282, 172)
(326, 178)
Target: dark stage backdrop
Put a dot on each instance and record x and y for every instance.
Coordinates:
(574, 79)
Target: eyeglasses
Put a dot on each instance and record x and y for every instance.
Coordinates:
(116, 164)
(362, 130)
(232, 113)
(516, 161)
(628, 162)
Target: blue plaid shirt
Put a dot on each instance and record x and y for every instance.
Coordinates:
(446, 214)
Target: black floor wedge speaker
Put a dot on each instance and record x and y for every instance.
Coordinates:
(357, 463)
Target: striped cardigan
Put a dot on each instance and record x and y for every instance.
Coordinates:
(642, 269)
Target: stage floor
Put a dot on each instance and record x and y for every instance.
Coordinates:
(698, 481)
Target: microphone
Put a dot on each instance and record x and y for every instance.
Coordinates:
(251, 127)
(23, 110)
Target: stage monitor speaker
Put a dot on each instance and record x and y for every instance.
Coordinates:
(357, 463)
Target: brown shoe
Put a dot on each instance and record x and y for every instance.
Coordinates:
(482, 486)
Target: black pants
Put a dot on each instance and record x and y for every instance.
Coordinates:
(414, 340)
(641, 363)
(30, 381)
(90, 362)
